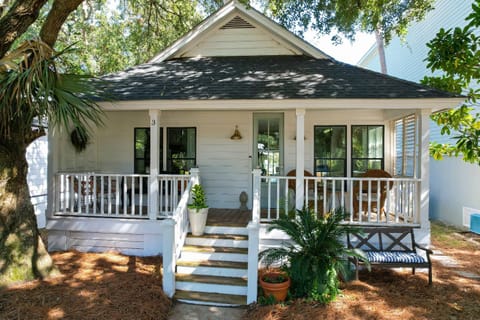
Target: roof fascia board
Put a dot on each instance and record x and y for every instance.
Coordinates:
(435, 104)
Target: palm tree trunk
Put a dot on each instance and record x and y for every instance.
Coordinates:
(22, 253)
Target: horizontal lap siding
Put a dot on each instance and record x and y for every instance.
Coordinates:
(238, 42)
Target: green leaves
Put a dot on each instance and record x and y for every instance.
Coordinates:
(455, 53)
(347, 17)
(316, 254)
(31, 86)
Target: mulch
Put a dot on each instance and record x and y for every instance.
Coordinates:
(114, 286)
(92, 286)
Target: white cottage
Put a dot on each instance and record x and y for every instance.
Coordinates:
(244, 106)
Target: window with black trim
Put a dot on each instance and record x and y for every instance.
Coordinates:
(330, 151)
(181, 149)
(367, 148)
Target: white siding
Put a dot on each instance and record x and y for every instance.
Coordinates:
(37, 177)
(252, 41)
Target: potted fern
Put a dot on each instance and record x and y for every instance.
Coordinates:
(198, 210)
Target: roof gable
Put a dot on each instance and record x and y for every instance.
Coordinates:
(235, 30)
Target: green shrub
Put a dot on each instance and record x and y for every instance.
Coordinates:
(317, 254)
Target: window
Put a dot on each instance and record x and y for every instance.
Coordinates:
(367, 148)
(330, 151)
(405, 146)
(181, 150)
(141, 163)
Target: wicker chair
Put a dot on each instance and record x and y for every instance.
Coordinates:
(292, 183)
(384, 188)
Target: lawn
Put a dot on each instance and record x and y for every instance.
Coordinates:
(112, 286)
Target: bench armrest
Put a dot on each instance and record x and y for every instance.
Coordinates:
(428, 251)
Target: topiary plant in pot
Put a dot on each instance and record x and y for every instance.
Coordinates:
(198, 210)
(316, 254)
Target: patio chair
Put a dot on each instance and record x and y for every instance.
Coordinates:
(363, 197)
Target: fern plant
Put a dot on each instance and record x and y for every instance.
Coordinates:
(316, 255)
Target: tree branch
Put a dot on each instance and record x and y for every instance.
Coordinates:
(21, 15)
(55, 19)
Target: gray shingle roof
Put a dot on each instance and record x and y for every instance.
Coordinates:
(259, 77)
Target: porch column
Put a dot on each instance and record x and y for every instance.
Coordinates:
(424, 175)
(300, 159)
(154, 163)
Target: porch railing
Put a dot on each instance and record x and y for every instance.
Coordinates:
(116, 195)
(397, 201)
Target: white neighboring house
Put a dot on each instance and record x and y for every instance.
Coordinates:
(37, 156)
(454, 184)
(173, 123)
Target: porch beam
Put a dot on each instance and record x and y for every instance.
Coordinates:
(153, 206)
(300, 159)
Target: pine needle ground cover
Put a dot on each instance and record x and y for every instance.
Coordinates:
(397, 294)
(92, 286)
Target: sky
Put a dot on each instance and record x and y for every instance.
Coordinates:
(346, 52)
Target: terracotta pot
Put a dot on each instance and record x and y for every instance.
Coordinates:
(278, 290)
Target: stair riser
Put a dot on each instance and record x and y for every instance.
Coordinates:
(226, 230)
(208, 287)
(211, 303)
(209, 242)
(209, 271)
(221, 256)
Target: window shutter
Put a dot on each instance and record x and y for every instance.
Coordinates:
(406, 146)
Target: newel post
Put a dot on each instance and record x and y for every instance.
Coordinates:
(253, 244)
(169, 257)
(195, 176)
(256, 195)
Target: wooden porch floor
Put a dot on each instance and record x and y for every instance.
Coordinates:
(228, 217)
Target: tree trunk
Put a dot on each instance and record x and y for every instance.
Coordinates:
(60, 11)
(22, 253)
(17, 20)
(381, 50)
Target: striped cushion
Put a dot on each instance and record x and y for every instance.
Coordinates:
(394, 257)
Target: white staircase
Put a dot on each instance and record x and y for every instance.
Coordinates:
(212, 268)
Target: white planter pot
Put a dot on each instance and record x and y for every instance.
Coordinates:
(198, 219)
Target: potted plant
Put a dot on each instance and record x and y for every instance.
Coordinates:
(198, 210)
(275, 283)
(316, 255)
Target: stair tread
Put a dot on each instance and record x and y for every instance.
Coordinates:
(213, 263)
(235, 281)
(214, 249)
(219, 236)
(211, 297)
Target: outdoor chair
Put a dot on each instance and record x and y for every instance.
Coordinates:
(361, 192)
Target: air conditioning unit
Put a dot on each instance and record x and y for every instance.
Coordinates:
(475, 223)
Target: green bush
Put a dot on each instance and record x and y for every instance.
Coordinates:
(199, 200)
(317, 254)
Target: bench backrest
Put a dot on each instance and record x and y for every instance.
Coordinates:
(382, 239)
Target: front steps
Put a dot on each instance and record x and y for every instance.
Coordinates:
(212, 268)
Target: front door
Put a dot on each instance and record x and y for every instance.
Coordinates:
(268, 151)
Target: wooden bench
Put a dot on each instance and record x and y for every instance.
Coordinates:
(390, 247)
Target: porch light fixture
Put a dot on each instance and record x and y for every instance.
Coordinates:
(236, 134)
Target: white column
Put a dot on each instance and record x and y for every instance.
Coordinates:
(300, 159)
(424, 175)
(256, 195)
(253, 244)
(168, 255)
(154, 163)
